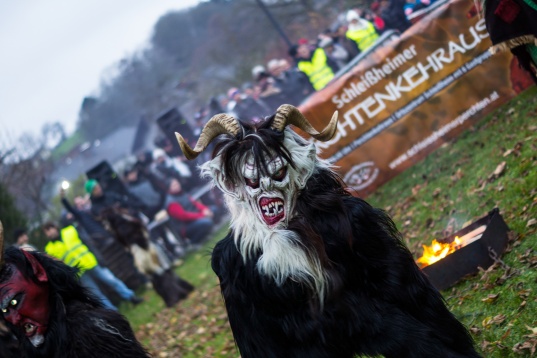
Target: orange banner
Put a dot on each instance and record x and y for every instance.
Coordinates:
(410, 96)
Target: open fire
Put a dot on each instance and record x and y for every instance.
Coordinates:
(440, 249)
(448, 260)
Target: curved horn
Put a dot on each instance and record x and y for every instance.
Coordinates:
(1, 245)
(218, 124)
(287, 114)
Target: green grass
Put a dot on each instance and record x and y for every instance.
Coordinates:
(197, 326)
(455, 183)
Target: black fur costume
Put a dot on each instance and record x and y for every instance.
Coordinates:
(9, 346)
(512, 25)
(378, 302)
(79, 325)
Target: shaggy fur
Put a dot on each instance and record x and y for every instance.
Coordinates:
(9, 347)
(354, 288)
(79, 324)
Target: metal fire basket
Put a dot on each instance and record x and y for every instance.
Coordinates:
(479, 253)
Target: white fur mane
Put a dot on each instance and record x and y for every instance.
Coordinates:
(282, 254)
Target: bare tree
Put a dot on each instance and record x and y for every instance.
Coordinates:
(26, 167)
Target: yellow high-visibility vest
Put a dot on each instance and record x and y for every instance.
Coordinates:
(71, 250)
(317, 69)
(364, 37)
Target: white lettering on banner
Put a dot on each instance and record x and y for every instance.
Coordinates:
(406, 82)
(416, 148)
(371, 77)
(400, 113)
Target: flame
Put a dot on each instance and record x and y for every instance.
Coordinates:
(437, 251)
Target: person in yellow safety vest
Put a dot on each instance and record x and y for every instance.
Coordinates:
(361, 31)
(314, 63)
(66, 246)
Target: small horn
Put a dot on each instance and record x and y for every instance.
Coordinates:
(1, 244)
(218, 124)
(287, 114)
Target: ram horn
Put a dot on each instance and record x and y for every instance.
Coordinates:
(218, 124)
(287, 114)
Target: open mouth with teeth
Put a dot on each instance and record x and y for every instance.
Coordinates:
(272, 210)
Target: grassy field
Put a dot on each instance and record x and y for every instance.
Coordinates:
(491, 165)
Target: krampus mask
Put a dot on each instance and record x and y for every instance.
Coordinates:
(307, 269)
(52, 315)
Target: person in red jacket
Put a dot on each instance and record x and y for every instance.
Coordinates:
(190, 217)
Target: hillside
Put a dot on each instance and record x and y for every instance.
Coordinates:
(457, 184)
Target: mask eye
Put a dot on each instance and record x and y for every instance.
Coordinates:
(280, 174)
(252, 183)
(13, 303)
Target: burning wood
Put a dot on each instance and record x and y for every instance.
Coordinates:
(439, 249)
(478, 241)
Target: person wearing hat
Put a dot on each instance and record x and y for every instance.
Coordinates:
(146, 188)
(314, 63)
(360, 31)
(191, 218)
(164, 168)
(334, 51)
(293, 83)
(65, 245)
(22, 239)
(233, 95)
(94, 229)
(101, 200)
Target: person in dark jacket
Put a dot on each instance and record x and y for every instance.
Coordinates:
(101, 200)
(394, 16)
(92, 227)
(144, 186)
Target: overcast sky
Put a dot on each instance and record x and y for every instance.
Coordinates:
(54, 52)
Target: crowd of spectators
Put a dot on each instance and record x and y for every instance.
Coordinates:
(162, 208)
(157, 210)
(312, 63)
